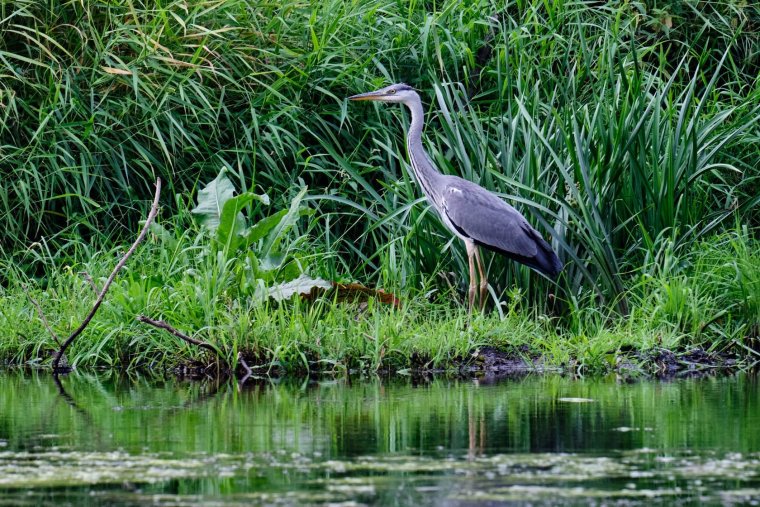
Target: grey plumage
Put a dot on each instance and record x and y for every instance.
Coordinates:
(477, 216)
(495, 225)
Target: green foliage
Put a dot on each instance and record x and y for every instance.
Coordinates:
(620, 126)
(704, 300)
(708, 299)
(625, 131)
(255, 253)
(219, 212)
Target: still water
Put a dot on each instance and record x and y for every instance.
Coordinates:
(108, 439)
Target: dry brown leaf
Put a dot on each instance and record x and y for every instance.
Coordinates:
(355, 291)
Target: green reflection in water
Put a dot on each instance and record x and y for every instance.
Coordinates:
(108, 439)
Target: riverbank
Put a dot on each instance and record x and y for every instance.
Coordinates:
(627, 136)
(702, 317)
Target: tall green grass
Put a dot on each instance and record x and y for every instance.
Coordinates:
(619, 128)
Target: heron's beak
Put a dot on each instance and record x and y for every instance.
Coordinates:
(367, 96)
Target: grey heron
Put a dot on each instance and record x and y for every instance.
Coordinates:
(472, 213)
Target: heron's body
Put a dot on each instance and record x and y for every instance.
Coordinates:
(472, 213)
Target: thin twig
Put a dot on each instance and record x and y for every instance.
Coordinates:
(241, 362)
(89, 279)
(42, 316)
(122, 262)
(248, 371)
(748, 349)
(179, 334)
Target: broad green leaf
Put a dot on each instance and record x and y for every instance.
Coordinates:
(263, 226)
(290, 271)
(232, 222)
(271, 262)
(279, 267)
(211, 200)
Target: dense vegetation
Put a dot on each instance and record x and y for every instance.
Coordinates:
(626, 131)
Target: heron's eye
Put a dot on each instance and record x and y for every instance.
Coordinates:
(391, 92)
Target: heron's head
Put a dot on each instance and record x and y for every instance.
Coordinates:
(397, 93)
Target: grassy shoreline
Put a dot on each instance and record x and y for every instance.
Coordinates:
(712, 305)
(628, 134)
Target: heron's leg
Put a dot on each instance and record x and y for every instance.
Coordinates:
(471, 253)
(483, 278)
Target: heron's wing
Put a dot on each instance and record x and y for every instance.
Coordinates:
(480, 215)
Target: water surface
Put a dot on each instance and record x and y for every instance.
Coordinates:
(540, 440)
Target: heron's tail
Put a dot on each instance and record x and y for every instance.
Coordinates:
(545, 261)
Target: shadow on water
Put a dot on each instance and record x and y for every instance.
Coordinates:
(115, 439)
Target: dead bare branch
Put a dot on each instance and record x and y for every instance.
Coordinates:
(42, 316)
(122, 262)
(241, 362)
(160, 324)
(248, 371)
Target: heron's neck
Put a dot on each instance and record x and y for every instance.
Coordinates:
(425, 172)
